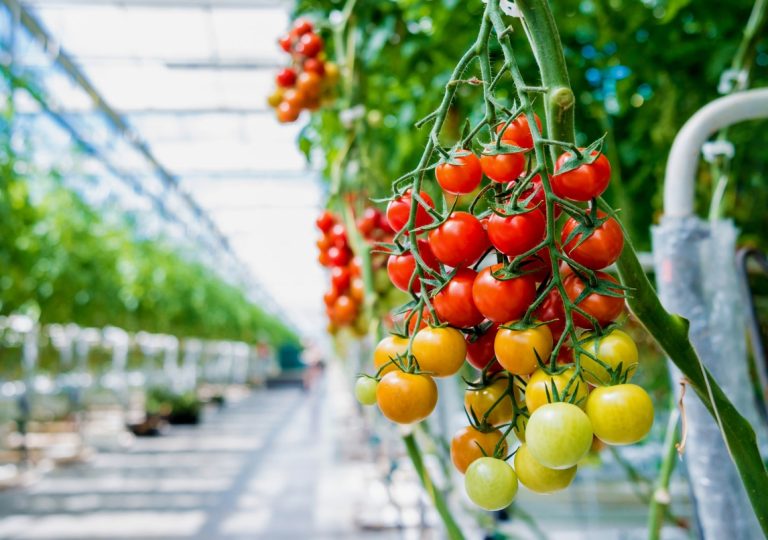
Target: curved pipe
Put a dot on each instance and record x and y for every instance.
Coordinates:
(684, 157)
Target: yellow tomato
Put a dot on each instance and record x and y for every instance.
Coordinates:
(481, 401)
(541, 383)
(517, 350)
(613, 349)
(440, 352)
(539, 478)
(389, 348)
(406, 398)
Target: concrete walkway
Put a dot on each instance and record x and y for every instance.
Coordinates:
(256, 469)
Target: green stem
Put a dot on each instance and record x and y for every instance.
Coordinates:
(560, 101)
(660, 498)
(451, 527)
(669, 331)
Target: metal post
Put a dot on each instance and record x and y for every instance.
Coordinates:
(697, 278)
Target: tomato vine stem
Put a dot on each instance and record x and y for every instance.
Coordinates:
(451, 527)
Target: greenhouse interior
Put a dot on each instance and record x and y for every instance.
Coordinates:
(343, 269)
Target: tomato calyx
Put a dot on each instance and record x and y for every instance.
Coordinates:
(618, 374)
(499, 148)
(582, 156)
(586, 226)
(566, 395)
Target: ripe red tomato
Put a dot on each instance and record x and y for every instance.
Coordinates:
(313, 65)
(295, 98)
(584, 182)
(308, 83)
(516, 234)
(400, 268)
(518, 132)
(503, 167)
(324, 259)
(324, 242)
(339, 256)
(502, 301)
(461, 178)
(600, 249)
(480, 349)
(399, 209)
(330, 297)
(338, 234)
(286, 78)
(605, 309)
(454, 304)
(344, 310)
(459, 241)
(287, 112)
(368, 222)
(302, 26)
(285, 42)
(340, 277)
(309, 45)
(325, 221)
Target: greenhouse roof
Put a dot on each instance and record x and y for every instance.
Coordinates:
(190, 79)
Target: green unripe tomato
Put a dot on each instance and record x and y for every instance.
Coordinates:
(365, 390)
(491, 483)
(558, 435)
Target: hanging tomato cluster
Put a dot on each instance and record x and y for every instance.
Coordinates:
(309, 80)
(344, 299)
(516, 287)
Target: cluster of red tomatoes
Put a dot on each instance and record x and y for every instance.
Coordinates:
(346, 294)
(538, 321)
(308, 80)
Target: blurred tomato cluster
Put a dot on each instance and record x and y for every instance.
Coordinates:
(309, 80)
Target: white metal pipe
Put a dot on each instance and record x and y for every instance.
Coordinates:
(684, 156)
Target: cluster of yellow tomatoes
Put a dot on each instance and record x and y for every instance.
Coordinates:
(309, 79)
(554, 369)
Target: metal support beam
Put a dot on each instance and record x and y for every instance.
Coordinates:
(220, 243)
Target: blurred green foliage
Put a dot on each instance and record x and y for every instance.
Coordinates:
(61, 261)
(639, 71)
